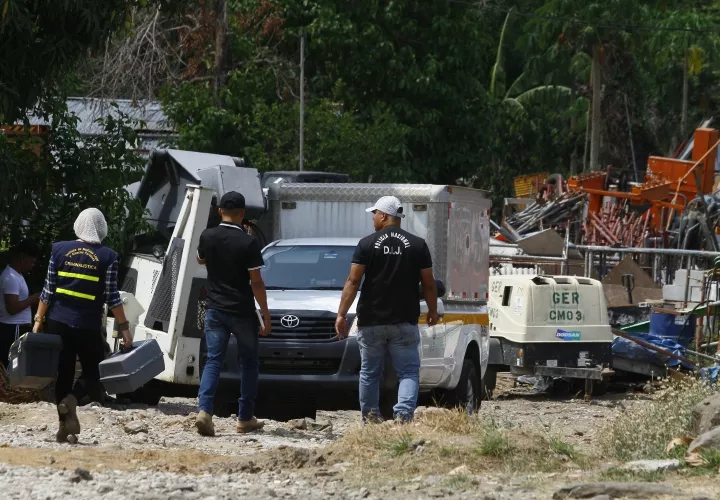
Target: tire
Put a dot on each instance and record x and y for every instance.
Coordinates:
(467, 394)
(488, 383)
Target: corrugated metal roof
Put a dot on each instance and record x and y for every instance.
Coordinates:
(89, 110)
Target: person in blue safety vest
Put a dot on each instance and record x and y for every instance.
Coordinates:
(81, 278)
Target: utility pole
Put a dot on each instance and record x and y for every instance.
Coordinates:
(302, 97)
(596, 121)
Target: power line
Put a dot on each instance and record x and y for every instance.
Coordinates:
(628, 27)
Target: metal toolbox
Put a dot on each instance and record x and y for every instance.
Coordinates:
(33, 360)
(127, 371)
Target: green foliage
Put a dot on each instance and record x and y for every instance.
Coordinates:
(446, 92)
(43, 39)
(394, 90)
(267, 133)
(48, 191)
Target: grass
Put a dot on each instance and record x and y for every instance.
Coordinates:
(645, 432)
(459, 482)
(400, 444)
(711, 460)
(480, 444)
(494, 442)
(560, 447)
(628, 476)
(484, 444)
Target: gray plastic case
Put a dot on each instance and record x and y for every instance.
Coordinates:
(33, 362)
(123, 373)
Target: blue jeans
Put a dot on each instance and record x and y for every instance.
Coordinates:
(402, 341)
(218, 327)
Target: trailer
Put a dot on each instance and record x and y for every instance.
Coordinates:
(550, 326)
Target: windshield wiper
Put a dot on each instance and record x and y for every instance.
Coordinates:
(282, 288)
(325, 288)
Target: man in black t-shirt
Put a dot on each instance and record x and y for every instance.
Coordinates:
(233, 260)
(393, 262)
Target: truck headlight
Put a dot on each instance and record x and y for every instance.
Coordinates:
(352, 321)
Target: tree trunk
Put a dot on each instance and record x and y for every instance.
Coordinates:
(685, 91)
(220, 45)
(596, 109)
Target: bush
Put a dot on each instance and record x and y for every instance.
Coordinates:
(645, 430)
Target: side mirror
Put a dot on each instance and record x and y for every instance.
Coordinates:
(158, 251)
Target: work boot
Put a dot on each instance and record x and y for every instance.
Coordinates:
(253, 424)
(67, 409)
(373, 417)
(403, 418)
(204, 424)
(62, 433)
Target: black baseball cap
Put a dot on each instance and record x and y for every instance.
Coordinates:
(26, 247)
(232, 200)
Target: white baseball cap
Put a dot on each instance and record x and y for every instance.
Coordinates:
(388, 205)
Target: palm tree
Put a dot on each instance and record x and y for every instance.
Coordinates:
(522, 92)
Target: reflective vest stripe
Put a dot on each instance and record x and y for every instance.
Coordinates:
(75, 294)
(78, 276)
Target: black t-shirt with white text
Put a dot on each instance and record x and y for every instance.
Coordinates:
(390, 294)
(229, 254)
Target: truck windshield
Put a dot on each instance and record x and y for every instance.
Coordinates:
(307, 267)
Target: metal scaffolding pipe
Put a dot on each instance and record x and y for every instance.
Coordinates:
(646, 251)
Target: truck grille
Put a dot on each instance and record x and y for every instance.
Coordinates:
(308, 328)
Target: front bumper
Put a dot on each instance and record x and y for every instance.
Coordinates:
(287, 364)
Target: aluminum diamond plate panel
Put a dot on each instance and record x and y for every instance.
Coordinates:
(408, 193)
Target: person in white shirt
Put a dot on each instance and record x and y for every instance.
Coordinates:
(15, 298)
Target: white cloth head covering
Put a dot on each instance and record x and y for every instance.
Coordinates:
(90, 226)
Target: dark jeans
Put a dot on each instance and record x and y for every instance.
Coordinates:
(77, 343)
(218, 327)
(8, 334)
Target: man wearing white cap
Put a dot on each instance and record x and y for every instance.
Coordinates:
(393, 262)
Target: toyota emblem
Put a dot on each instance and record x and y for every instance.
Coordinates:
(290, 321)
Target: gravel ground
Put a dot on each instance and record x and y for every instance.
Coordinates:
(155, 453)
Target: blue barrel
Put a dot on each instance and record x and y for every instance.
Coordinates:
(678, 328)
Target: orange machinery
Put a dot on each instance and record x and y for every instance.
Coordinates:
(669, 183)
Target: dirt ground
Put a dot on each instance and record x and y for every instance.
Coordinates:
(139, 452)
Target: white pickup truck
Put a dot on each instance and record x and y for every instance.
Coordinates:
(305, 278)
